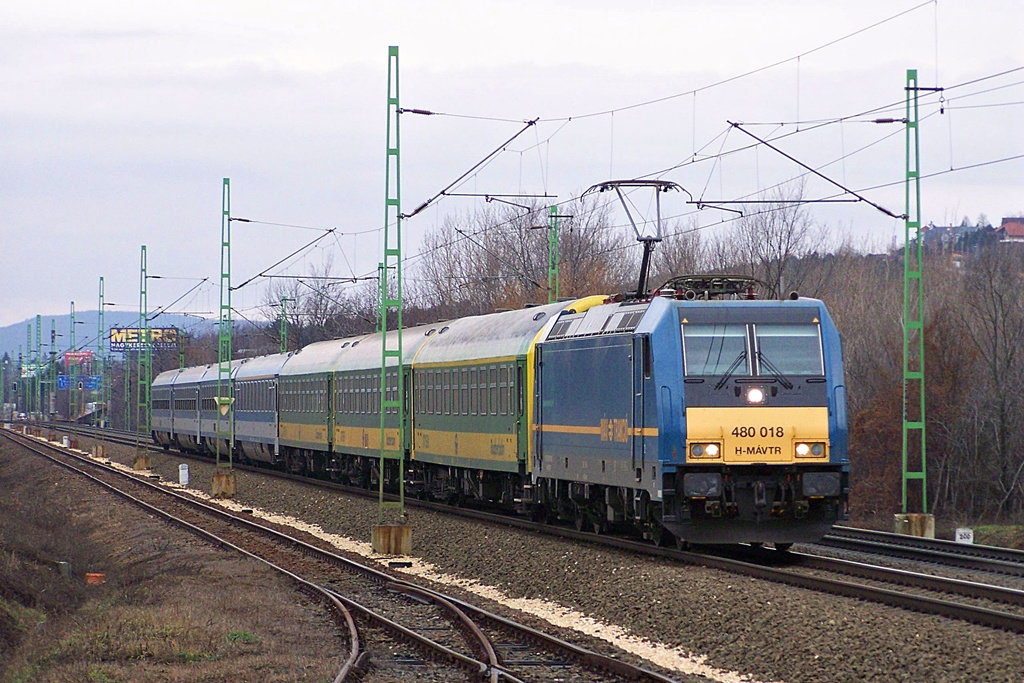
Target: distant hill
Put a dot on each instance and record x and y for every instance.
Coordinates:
(13, 336)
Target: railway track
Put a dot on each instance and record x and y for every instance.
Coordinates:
(972, 601)
(418, 626)
(973, 557)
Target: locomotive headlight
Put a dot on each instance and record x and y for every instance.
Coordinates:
(705, 450)
(810, 450)
(755, 395)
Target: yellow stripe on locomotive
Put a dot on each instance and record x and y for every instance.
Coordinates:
(773, 435)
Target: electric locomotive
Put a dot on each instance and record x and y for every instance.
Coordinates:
(699, 415)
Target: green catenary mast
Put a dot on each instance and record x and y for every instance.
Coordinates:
(26, 376)
(390, 299)
(913, 308)
(284, 324)
(145, 365)
(37, 380)
(52, 393)
(72, 368)
(553, 255)
(225, 411)
(101, 358)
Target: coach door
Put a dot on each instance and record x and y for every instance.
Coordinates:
(641, 365)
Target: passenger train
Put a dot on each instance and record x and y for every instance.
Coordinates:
(698, 415)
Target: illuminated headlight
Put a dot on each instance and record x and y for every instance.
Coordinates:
(810, 450)
(705, 450)
(755, 395)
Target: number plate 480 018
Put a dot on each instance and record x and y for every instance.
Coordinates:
(758, 434)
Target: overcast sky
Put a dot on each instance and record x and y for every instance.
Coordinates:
(118, 121)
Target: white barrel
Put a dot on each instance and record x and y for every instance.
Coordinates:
(183, 474)
(67, 442)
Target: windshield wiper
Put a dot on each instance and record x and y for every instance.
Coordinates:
(776, 374)
(732, 368)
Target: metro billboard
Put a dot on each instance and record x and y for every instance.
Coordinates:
(124, 339)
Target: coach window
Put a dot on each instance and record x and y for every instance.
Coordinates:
(438, 409)
(493, 390)
(503, 389)
(429, 405)
(446, 400)
(473, 398)
(464, 389)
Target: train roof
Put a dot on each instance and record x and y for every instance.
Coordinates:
(495, 335)
(367, 354)
(189, 375)
(319, 356)
(212, 372)
(261, 366)
(166, 377)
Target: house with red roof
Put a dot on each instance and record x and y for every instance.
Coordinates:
(1011, 230)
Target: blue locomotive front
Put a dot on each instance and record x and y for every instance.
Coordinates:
(710, 421)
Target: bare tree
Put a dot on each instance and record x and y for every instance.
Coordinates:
(682, 251)
(319, 306)
(772, 236)
(994, 322)
(497, 257)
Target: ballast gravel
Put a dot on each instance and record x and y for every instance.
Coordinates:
(762, 630)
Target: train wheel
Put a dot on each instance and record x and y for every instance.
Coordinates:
(782, 547)
(682, 544)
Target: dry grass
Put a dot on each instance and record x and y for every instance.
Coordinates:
(172, 608)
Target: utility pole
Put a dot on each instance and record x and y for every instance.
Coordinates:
(392, 539)
(224, 481)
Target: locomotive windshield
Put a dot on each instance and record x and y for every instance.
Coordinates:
(789, 349)
(723, 350)
(712, 350)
